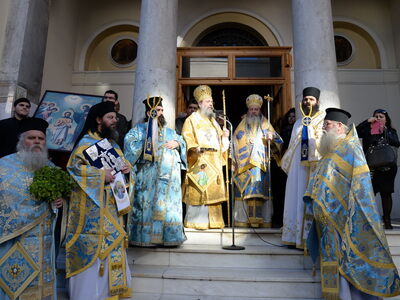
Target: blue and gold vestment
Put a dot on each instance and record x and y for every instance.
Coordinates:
(351, 238)
(94, 228)
(27, 264)
(252, 177)
(156, 217)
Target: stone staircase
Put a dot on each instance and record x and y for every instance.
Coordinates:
(201, 270)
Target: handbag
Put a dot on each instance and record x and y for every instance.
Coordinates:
(381, 155)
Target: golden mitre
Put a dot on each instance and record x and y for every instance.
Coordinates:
(254, 100)
(202, 92)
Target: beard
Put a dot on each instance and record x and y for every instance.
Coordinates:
(32, 160)
(328, 141)
(252, 120)
(207, 112)
(158, 123)
(109, 133)
(306, 109)
(162, 121)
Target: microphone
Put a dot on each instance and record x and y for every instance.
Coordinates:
(220, 115)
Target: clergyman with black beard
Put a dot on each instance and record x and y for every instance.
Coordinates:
(92, 200)
(26, 224)
(298, 162)
(157, 154)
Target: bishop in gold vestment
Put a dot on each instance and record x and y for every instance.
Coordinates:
(207, 144)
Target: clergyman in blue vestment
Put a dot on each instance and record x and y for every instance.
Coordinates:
(27, 263)
(157, 155)
(347, 233)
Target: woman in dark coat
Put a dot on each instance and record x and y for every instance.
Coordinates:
(382, 179)
(286, 128)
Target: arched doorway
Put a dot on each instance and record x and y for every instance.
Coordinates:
(235, 59)
(239, 71)
(233, 52)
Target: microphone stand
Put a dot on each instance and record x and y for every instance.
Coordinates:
(233, 246)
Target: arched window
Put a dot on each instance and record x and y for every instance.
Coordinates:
(344, 49)
(230, 34)
(355, 47)
(115, 48)
(124, 52)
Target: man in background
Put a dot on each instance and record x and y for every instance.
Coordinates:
(9, 128)
(122, 123)
(192, 107)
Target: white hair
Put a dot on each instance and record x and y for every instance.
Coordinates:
(330, 139)
(252, 121)
(208, 112)
(33, 160)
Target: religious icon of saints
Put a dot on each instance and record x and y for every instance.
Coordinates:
(202, 175)
(119, 190)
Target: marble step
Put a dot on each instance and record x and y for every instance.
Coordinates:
(395, 251)
(189, 255)
(226, 282)
(393, 236)
(215, 256)
(145, 296)
(256, 236)
(243, 236)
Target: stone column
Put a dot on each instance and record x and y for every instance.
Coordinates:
(156, 67)
(314, 50)
(395, 11)
(23, 52)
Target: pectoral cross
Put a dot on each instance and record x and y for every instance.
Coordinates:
(208, 135)
(306, 121)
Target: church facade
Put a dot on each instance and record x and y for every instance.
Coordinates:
(349, 49)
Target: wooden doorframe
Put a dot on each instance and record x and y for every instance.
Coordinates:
(282, 85)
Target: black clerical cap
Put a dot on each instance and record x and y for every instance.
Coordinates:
(33, 124)
(153, 101)
(337, 114)
(19, 100)
(311, 91)
(102, 108)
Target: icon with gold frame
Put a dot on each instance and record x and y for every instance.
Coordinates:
(202, 174)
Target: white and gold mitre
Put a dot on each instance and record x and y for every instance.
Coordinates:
(254, 100)
(202, 92)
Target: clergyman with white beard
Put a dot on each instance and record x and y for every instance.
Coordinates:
(253, 206)
(347, 232)
(27, 245)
